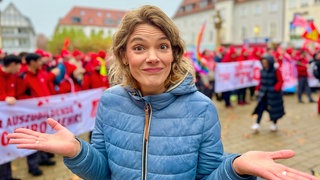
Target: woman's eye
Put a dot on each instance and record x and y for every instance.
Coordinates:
(164, 46)
(138, 48)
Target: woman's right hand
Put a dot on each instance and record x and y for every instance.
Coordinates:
(63, 142)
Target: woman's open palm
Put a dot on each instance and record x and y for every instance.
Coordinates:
(63, 142)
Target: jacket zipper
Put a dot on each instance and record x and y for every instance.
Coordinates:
(147, 110)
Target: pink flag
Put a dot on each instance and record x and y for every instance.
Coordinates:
(298, 20)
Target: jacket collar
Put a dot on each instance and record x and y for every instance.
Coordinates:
(160, 101)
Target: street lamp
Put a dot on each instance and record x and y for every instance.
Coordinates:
(256, 31)
(217, 25)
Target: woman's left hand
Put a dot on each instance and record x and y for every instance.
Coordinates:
(262, 164)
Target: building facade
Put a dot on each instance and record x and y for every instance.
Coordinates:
(91, 20)
(309, 10)
(190, 17)
(17, 32)
(258, 21)
(244, 21)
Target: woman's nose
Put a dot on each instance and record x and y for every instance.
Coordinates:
(152, 57)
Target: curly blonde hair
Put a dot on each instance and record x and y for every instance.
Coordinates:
(119, 73)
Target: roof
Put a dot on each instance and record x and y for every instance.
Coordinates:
(188, 7)
(86, 16)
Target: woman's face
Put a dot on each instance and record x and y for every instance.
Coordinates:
(265, 63)
(149, 57)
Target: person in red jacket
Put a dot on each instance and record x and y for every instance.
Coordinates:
(8, 79)
(93, 79)
(303, 85)
(37, 83)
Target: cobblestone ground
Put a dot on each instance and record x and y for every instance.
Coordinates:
(298, 130)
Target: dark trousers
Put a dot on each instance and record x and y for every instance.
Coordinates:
(241, 93)
(252, 89)
(303, 86)
(5, 171)
(33, 161)
(226, 97)
(261, 107)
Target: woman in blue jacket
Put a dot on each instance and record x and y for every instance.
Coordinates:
(154, 124)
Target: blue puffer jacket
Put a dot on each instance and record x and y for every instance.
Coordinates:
(181, 139)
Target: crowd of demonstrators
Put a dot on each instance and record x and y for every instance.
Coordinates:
(300, 57)
(39, 74)
(150, 140)
(226, 55)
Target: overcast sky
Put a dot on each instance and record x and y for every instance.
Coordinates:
(44, 14)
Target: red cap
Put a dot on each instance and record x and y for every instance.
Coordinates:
(65, 53)
(102, 54)
(93, 56)
(289, 50)
(76, 53)
(39, 52)
(221, 49)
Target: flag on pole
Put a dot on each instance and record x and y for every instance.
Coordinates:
(311, 33)
(66, 44)
(197, 56)
(299, 21)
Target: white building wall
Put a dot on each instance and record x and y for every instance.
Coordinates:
(265, 16)
(17, 31)
(190, 26)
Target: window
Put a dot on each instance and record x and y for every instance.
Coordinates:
(23, 42)
(203, 4)
(243, 12)
(273, 6)
(108, 21)
(108, 15)
(292, 4)
(8, 42)
(189, 7)
(99, 14)
(303, 3)
(257, 9)
(76, 19)
(22, 31)
(90, 20)
(243, 33)
(273, 30)
(82, 12)
(181, 10)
